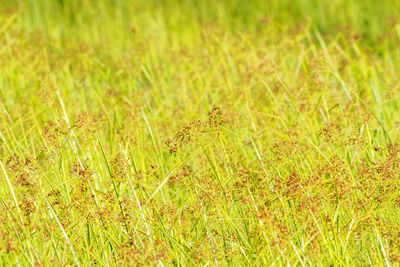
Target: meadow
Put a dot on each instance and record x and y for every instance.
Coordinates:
(199, 133)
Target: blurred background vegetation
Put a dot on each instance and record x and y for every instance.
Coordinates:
(99, 20)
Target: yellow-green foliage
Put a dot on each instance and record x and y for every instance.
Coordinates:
(199, 132)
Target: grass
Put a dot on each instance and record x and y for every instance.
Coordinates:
(199, 133)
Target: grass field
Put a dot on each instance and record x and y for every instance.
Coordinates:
(207, 133)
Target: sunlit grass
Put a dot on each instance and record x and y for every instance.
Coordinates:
(199, 133)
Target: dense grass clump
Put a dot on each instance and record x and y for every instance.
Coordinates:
(199, 133)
